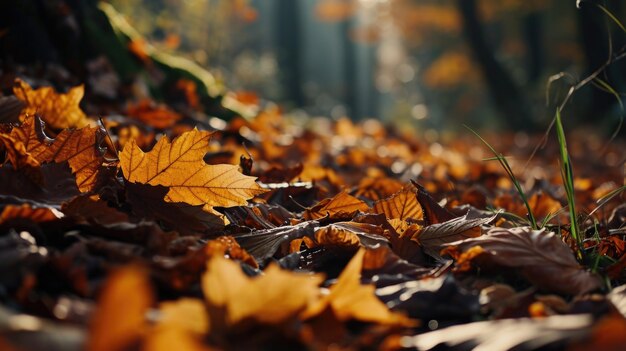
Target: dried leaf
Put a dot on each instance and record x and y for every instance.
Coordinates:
(119, 321)
(351, 235)
(342, 205)
(38, 215)
(434, 236)
(349, 300)
(505, 335)
(402, 205)
(180, 167)
(157, 116)
(275, 297)
(60, 111)
(541, 257)
(81, 148)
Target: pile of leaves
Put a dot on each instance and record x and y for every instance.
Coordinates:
(151, 229)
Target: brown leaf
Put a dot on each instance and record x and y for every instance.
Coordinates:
(38, 215)
(120, 321)
(541, 257)
(81, 148)
(342, 205)
(180, 167)
(433, 212)
(351, 235)
(434, 236)
(402, 205)
(155, 115)
(58, 186)
(60, 111)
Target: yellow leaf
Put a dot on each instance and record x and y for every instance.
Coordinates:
(340, 205)
(273, 298)
(349, 300)
(119, 320)
(403, 205)
(179, 165)
(188, 314)
(57, 110)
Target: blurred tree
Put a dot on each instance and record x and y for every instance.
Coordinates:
(507, 96)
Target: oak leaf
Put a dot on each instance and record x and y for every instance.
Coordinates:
(180, 167)
(57, 110)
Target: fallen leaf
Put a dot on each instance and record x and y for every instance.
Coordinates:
(349, 300)
(119, 321)
(542, 258)
(24, 211)
(342, 205)
(351, 235)
(81, 148)
(275, 297)
(402, 205)
(155, 115)
(180, 167)
(59, 111)
(433, 237)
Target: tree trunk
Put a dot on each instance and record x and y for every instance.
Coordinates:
(507, 96)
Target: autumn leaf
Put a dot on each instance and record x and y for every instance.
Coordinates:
(434, 236)
(349, 300)
(542, 258)
(180, 167)
(273, 298)
(24, 211)
(403, 205)
(157, 116)
(81, 148)
(60, 111)
(341, 205)
(120, 319)
(351, 235)
(16, 153)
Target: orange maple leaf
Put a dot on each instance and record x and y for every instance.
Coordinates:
(79, 147)
(57, 110)
(179, 165)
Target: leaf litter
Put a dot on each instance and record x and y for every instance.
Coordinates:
(155, 230)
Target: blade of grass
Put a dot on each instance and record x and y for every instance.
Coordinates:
(568, 182)
(507, 168)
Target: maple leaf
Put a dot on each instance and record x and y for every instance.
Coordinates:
(349, 300)
(273, 298)
(57, 110)
(542, 258)
(81, 148)
(403, 205)
(16, 153)
(339, 206)
(180, 167)
(119, 320)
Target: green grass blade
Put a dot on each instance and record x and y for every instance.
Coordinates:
(507, 168)
(568, 182)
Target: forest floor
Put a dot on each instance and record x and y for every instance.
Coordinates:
(157, 227)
